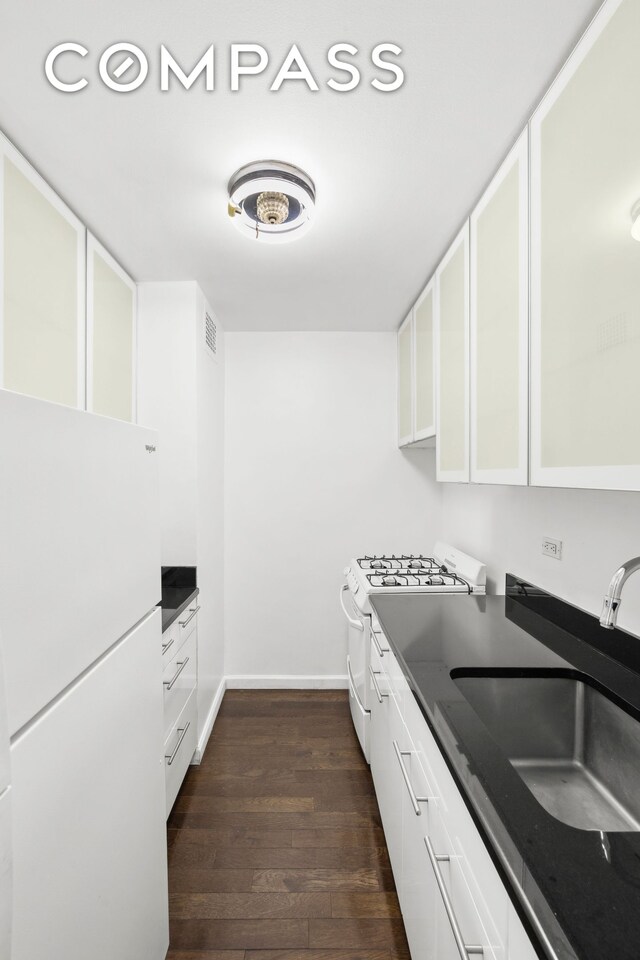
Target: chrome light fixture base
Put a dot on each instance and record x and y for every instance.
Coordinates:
(271, 201)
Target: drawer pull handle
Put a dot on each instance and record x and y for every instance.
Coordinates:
(169, 683)
(170, 757)
(415, 801)
(381, 652)
(165, 646)
(193, 612)
(464, 949)
(379, 693)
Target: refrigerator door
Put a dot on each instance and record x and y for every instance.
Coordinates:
(89, 833)
(5, 873)
(79, 564)
(5, 826)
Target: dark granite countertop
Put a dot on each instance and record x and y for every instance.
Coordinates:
(178, 590)
(580, 889)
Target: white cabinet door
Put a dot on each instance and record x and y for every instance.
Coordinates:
(420, 903)
(405, 382)
(424, 365)
(42, 279)
(585, 295)
(452, 358)
(89, 842)
(500, 325)
(520, 946)
(111, 336)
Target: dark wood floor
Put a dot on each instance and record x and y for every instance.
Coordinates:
(276, 851)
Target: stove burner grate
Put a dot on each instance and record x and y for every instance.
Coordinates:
(437, 577)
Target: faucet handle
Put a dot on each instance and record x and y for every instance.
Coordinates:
(609, 613)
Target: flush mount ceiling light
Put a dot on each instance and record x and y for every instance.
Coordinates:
(271, 201)
(635, 220)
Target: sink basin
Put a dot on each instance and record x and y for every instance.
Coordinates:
(576, 750)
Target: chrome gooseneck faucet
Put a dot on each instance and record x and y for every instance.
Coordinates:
(611, 603)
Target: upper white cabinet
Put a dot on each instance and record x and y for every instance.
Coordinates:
(452, 358)
(416, 373)
(500, 325)
(405, 382)
(585, 266)
(111, 336)
(42, 283)
(424, 365)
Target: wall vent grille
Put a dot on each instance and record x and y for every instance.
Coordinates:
(210, 335)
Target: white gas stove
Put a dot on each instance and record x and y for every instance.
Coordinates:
(447, 570)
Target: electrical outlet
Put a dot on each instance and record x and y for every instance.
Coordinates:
(552, 548)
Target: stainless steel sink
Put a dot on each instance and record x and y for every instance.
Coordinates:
(576, 750)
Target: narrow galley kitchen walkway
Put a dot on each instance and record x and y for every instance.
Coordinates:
(276, 851)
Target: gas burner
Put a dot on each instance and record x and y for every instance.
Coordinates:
(378, 564)
(390, 581)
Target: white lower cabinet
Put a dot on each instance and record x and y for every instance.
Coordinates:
(451, 895)
(180, 698)
(385, 722)
(89, 838)
(179, 748)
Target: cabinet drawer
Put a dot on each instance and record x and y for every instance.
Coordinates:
(179, 680)
(465, 920)
(188, 620)
(394, 680)
(179, 748)
(170, 642)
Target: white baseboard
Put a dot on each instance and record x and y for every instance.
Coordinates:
(283, 682)
(209, 722)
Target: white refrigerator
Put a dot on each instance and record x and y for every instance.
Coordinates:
(81, 645)
(5, 826)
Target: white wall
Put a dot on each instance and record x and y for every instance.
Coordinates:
(504, 526)
(313, 477)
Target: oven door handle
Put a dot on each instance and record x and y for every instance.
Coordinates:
(354, 623)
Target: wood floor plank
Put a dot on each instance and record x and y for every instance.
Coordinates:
(255, 804)
(362, 932)
(345, 803)
(286, 858)
(196, 812)
(238, 934)
(206, 955)
(302, 695)
(371, 837)
(318, 879)
(349, 904)
(269, 708)
(282, 782)
(202, 880)
(276, 848)
(317, 955)
(249, 906)
(232, 836)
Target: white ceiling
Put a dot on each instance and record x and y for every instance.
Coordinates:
(396, 174)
